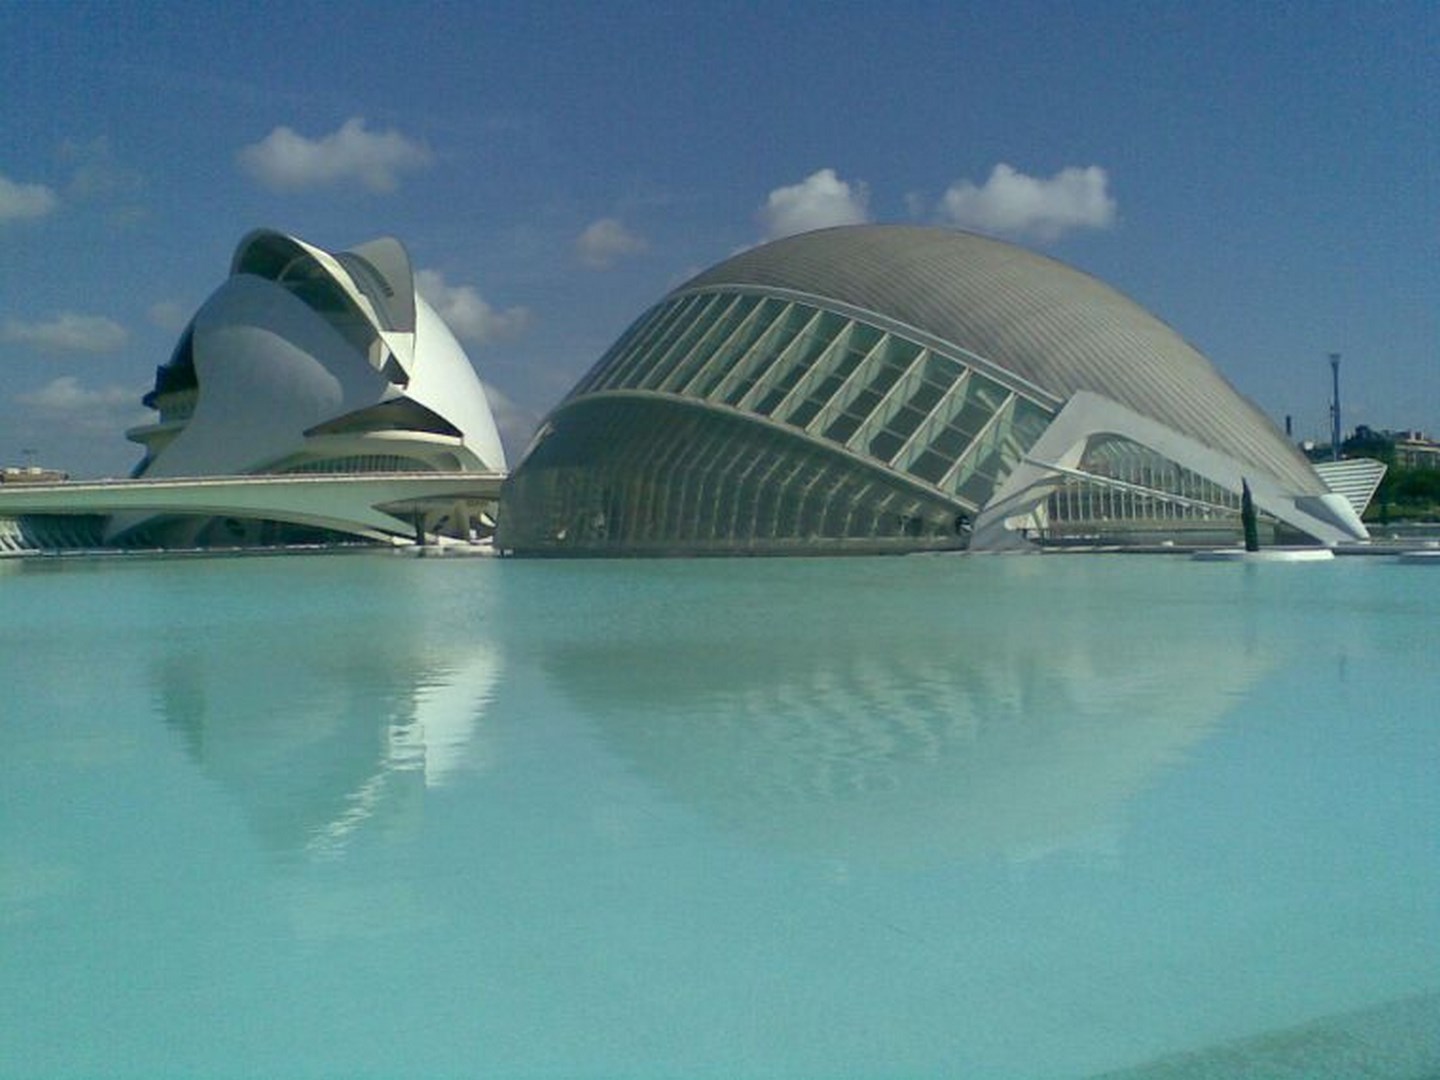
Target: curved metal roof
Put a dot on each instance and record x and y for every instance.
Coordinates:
(1048, 323)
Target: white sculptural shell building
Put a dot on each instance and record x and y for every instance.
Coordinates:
(308, 361)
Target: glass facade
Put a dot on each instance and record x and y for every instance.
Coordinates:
(1129, 490)
(362, 463)
(643, 476)
(49, 532)
(728, 420)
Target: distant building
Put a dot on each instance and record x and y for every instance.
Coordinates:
(1414, 450)
(30, 474)
(892, 388)
(1406, 449)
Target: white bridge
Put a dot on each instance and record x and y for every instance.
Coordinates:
(375, 506)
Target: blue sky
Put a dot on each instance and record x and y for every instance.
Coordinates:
(1265, 177)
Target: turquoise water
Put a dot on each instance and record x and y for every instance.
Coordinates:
(963, 816)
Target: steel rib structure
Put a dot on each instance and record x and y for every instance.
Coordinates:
(890, 388)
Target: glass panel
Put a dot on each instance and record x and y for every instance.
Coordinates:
(734, 351)
(863, 403)
(945, 408)
(842, 427)
(653, 352)
(775, 382)
(824, 389)
(951, 442)
(627, 350)
(803, 413)
(902, 425)
(849, 390)
(885, 445)
(885, 415)
(765, 353)
(973, 410)
(926, 396)
(724, 325)
(996, 452)
(1027, 425)
(931, 466)
(787, 521)
(800, 360)
(603, 365)
(704, 319)
(983, 397)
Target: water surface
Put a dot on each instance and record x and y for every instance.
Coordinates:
(970, 816)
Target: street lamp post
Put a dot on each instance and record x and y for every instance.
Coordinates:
(1335, 406)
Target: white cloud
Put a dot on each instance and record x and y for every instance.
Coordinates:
(169, 315)
(67, 332)
(108, 410)
(515, 423)
(287, 161)
(606, 241)
(468, 314)
(1011, 203)
(97, 172)
(65, 394)
(820, 200)
(19, 201)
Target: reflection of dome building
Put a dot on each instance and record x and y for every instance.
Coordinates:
(894, 388)
(916, 735)
(306, 361)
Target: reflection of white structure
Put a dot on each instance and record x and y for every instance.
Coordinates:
(438, 739)
(353, 757)
(898, 388)
(310, 362)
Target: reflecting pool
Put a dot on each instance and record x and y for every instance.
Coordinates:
(971, 816)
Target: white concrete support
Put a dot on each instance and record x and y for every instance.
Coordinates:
(1327, 518)
(375, 506)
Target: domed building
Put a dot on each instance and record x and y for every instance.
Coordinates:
(310, 362)
(896, 388)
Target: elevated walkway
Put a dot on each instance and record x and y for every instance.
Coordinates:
(375, 506)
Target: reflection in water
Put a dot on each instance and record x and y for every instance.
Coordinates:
(314, 742)
(910, 733)
(1396, 1039)
(925, 716)
(651, 878)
